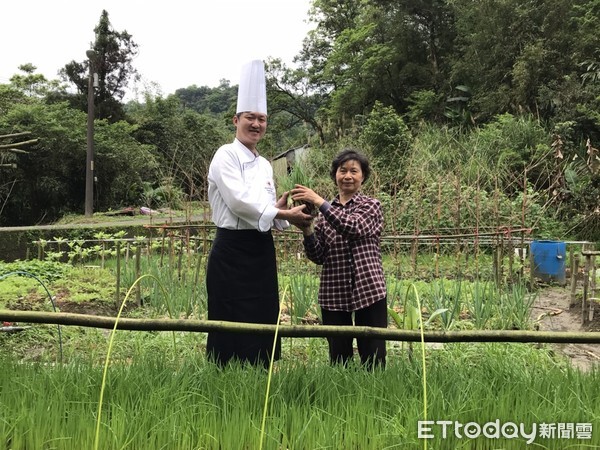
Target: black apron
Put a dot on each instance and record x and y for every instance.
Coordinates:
(241, 283)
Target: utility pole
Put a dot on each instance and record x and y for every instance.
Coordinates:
(89, 167)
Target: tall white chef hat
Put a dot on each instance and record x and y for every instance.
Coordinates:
(252, 92)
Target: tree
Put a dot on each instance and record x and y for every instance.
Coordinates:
(523, 56)
(49, 179)
(184, 142)
(33, 84)
(382, 50)
(386, 134)
(216, 101)
(291, 96)
(114, 53)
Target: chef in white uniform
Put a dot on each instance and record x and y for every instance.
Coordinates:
(241, 274)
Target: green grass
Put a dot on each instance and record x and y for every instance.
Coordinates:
(192, 208)
(162, 394)
(168, 400)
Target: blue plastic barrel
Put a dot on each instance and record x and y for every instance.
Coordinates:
(549, 261)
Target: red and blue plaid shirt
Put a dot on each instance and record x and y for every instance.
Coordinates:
(346, 242)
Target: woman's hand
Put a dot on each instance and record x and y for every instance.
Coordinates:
(305, 194)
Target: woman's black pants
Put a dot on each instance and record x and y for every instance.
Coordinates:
(372, 351)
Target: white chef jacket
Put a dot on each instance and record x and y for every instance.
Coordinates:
(241, 191)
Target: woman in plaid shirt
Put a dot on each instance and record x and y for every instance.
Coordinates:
(345, 240)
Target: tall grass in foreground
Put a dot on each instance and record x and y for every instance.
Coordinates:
(155, 402)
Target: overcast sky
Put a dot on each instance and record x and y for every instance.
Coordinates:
(181, 42)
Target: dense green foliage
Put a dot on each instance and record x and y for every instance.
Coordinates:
(495, 100)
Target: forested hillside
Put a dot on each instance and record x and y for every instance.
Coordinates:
(476, 114)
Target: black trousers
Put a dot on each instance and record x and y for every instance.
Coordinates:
(372, 351)
(241, 282)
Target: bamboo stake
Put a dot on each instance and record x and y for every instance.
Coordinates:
(149, 251)
(497, 234)
(511, 257)
(162, 246)
(523, 224)
(118, 270)
(415, 241)
(390, 334)
(593, 298)
(586, 281)
(477, 219)
(180, 259)
(501, 262)
(437, 229)
(495, 262)
(138, 272)
(571, 264)
(531, 269)
(394, 220)
(458, 219)
(574, 272)
(188, 247)
(171, 250)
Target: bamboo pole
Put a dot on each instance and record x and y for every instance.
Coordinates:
(162, 246)
(593, 299)
(457, 225)
(180, 259)
(188, 242)
(574, 273)
(138, 274)
(118, 274)
(149, 247)
(437, 229)
(571, 261)
(394, 215)
(523, 226)
(586, 282)
(501, 262)
(477, 218)
(415, 242)
(531, 269)
(390, 334)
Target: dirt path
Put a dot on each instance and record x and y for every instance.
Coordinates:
(552, 313)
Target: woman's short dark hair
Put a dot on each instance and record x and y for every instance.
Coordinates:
(349, 154)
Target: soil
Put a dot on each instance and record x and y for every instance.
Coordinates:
(553, 311)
